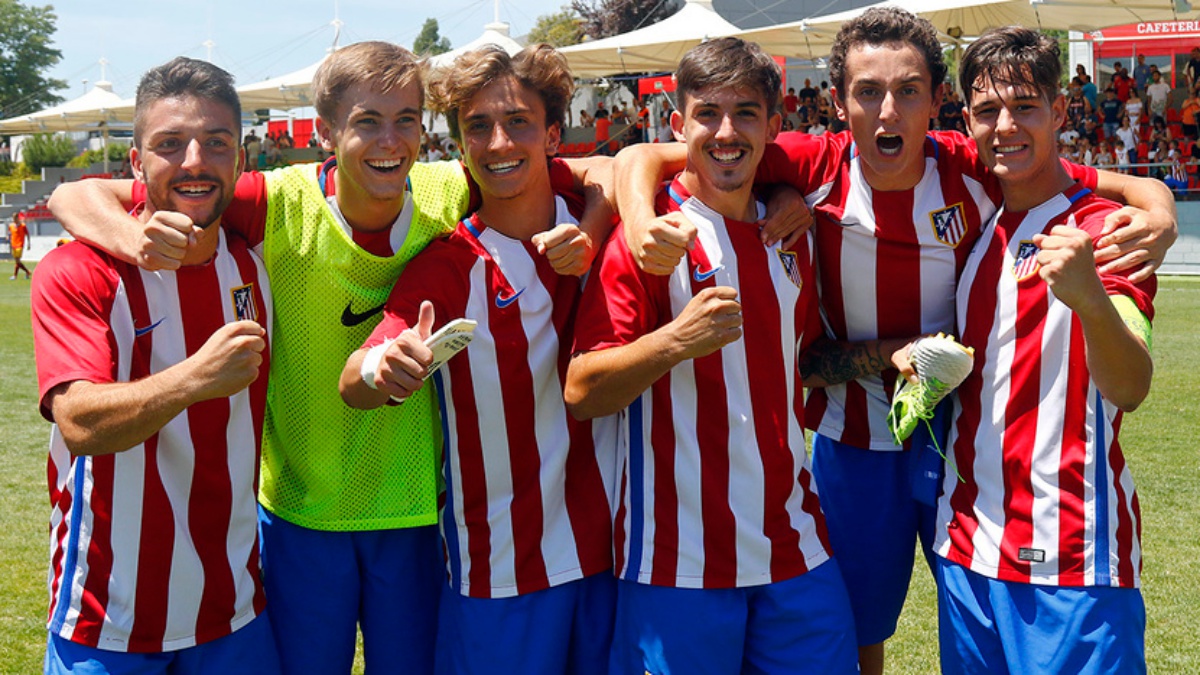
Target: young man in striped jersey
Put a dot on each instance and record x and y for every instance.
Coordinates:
(526, 521)
(721, 551)
(897, 209)
(349, 497)
(156, 383)
(1038, 545)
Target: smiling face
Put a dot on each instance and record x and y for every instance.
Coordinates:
(726, 130)
(376, 137)
(505, 140)
(888, 102)
(188, 157)
(1014, 127)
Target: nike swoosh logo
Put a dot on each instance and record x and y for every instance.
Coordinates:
(139, 332)
(502, 302)
(701, 277)
(350, 318)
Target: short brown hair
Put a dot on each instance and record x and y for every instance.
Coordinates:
(185, 77)
(880, 26)
(539, 67)
(384, 65)
(1012, 55)
(729, 62)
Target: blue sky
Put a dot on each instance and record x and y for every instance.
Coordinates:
(254, 40)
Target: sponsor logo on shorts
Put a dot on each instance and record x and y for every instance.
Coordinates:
(1031, 555)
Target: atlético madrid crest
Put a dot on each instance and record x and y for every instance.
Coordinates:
(244, 307)
(1026, 265)
(791, 266)
(949, 225)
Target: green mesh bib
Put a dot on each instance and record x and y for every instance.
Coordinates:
(327, 466)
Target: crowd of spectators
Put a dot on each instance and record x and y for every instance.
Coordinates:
(1137, 124)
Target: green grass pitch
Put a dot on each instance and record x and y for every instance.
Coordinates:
(1160, 441)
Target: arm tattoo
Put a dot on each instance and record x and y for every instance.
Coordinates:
(835, 362)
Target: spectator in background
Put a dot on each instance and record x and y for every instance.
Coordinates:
(603, 123)
(1121, 154)
(1128, 136)
(1104, 157)
(1176, 176)
(1069, 136)
(586, 120)
(791, 107)
(643, 121)
(1122, 83)
(1084, 154)
(1141, 73)
(1191, 72)
(1090, 130)
(808, 95)
(17, 234)
(1187, 114)
(816, 128)
(1158, 92)
(1159, 131)
(950, 113)
(1077, 105)
(1134, 108)
(1110, 112)
(1089, 88)
(313, 141)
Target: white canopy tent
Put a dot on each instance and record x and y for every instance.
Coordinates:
(96, 110)
(956, 19)
(659, 47)
(293, 90)
(99, 106)
(653, 48)
(495, 33)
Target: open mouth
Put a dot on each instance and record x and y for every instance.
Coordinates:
(194, 190)
(889, 145)
(385, 165)
(727, 156)
(502, 168)
(1009, 149)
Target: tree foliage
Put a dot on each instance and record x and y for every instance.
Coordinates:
(428, 43)
(562, 29)
(605, 18)
(42, 150)
(25, 54)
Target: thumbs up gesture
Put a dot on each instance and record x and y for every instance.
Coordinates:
(405, 364)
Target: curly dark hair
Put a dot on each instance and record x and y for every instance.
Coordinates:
(885, 26)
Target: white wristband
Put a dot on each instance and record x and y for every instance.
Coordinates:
(370, 363)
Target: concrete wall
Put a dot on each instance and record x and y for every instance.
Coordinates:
(1184, 256)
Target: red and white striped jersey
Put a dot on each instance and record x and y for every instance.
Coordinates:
(527, 487)
(888, 261)
(716, 490)
(154, 548)
(1046, 496)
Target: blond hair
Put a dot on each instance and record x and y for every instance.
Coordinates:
(385, 66)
